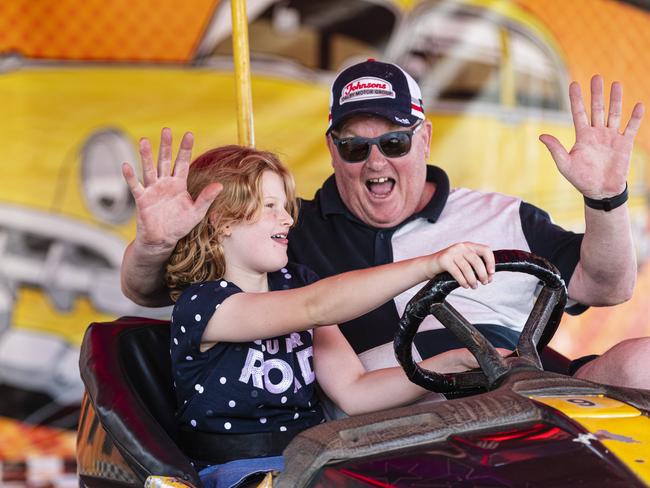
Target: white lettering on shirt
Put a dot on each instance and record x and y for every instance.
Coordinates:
(254, 367)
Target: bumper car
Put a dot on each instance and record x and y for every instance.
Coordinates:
(511, 424)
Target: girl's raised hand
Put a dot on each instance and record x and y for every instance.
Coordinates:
(467, 262)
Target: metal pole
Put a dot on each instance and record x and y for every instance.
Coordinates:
(241, 59)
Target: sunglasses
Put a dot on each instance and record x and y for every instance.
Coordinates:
(391, 144)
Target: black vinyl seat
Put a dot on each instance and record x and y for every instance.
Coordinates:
(127, 429)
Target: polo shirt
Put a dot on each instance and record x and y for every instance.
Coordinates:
(329, 239)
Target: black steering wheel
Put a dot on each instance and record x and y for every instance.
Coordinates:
(537, 332)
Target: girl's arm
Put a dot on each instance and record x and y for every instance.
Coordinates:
(250, 316)
(347, 383)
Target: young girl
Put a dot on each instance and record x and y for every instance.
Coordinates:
(241, 334)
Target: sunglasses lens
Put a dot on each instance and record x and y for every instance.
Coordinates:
(354, 150)
(395, 144)
(392, 144)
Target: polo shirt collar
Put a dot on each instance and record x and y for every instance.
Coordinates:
(332, 204)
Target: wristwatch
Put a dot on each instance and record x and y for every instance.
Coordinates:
(609, 203)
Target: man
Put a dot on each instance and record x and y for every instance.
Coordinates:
(384, 203)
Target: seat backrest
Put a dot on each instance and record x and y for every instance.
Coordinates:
(126, 368)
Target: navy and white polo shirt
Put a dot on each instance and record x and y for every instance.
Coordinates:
(330, 240)
(262, 386)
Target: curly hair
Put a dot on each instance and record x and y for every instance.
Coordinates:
(199, 256)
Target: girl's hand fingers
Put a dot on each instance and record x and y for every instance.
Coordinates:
(468, 272)
(480, 270)
(455, 273)
(488, 258)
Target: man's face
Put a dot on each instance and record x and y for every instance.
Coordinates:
(382, 191)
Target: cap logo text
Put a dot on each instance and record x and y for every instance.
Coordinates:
(366, 88)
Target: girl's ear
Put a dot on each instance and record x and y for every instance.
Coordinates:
(226, 231)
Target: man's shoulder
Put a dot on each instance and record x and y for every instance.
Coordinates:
(462, 193)
(474, 203)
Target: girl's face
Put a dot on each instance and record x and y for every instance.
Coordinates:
(261, 246)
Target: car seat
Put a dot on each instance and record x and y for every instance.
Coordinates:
(127, 429)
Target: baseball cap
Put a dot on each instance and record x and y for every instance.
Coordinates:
(377, 88)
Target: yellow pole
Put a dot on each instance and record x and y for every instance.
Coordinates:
(241, 59)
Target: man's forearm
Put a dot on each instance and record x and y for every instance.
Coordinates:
(606, 273)
(142, 275)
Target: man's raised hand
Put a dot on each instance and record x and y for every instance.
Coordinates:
(597, 165)
(165, 211)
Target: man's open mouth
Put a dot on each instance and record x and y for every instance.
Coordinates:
(380, 187)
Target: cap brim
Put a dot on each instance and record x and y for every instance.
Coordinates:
(404, 120)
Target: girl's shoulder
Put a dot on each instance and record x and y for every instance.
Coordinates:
(213, 291)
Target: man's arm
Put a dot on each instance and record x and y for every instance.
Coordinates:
(597, 166)
(165, 212)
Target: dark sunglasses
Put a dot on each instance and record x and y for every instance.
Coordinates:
(391, 144)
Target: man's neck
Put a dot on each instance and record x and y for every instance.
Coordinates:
(427, 194)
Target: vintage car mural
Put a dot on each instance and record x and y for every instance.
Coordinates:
(81, 83)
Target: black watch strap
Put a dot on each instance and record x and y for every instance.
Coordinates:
(609, 203)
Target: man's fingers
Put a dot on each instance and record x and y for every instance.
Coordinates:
(184, 156)
(149, 174)
(597, 102)
(635, 121)
(132, 180)
(578, 113)
(206, 197)
(165, 152)
(615, 106)
(555, 147)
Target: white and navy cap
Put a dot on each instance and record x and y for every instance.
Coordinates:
(373, 87)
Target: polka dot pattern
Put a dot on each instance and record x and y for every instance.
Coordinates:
(238, 405)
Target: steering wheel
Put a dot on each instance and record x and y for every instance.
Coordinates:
(537, 332)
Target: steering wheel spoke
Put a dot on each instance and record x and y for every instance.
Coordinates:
(542, 312)
(487, 356)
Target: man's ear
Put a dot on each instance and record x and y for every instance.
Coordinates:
(331, 147)
(428, 130)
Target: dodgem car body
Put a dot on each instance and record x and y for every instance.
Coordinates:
(512, 424)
